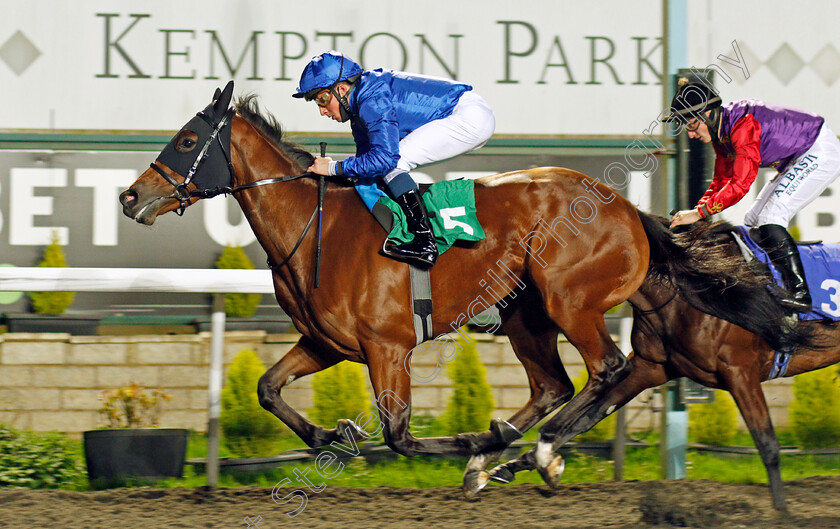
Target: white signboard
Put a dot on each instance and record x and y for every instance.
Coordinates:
(798, 68)
(552, 67)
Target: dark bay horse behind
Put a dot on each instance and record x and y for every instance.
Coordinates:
(673, 339)
(560, 250)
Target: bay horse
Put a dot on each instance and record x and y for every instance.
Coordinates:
(562, 272)
(672, 339)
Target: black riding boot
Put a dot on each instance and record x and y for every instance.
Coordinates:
(422, 249)
(784, 254)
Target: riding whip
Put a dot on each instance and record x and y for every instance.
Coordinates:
(322, 185)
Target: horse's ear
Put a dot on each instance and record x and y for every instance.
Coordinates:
(222, 101)
(216, 95)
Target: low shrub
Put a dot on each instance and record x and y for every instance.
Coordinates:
(714, 423)
(39, 460)
(52, 302)
(424, 424)
(238, 305)
(815, 408)
(132, 406)
(339, 392)
(248, 429)
(471, 405)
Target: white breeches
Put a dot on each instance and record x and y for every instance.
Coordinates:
(468, 127)
(806, 178)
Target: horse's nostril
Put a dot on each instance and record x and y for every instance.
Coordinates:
(128, 196)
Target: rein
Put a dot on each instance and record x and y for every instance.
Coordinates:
(319, 210)
(257, 183)
(183, 194)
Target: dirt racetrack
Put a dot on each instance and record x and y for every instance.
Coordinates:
(814, 503)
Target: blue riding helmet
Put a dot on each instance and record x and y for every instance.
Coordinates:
(324, 71)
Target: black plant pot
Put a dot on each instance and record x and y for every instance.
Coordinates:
(270, 324)
(141, 454)
(44, 323)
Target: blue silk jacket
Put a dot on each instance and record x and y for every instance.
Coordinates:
(385, 106)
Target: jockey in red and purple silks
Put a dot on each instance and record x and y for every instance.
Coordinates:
(749, 134)
(753, 134)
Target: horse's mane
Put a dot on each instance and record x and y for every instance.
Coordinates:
(714, 244)
(715, 261)
(249, 109)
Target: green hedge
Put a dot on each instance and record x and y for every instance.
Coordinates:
(339, 392)
(815, 408)
(471, 405)
(249, 430)
(238, 305)
(39, 460)
(714, 423)
(52, 302)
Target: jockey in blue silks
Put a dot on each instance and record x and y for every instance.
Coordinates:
(399, 121)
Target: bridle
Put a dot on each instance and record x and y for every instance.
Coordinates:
(183, 194)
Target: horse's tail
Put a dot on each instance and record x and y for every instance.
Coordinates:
(712, 278)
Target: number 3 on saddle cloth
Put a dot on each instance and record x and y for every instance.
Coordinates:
(821, 263)
(451, 207)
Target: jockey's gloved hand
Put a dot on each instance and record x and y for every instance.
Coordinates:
(333, 169)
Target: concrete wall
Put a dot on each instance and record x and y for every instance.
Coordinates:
(53, 381)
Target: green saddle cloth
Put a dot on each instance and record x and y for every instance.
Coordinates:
(451, 207)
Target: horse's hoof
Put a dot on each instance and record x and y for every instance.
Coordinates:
(502, 474)
(346, 428)
(474, 481)
(552, 473)
(482, 461)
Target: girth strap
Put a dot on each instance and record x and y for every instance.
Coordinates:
(421, 283)
(781, 360)
(421, 297)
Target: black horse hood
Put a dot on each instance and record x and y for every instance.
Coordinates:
(208, 166)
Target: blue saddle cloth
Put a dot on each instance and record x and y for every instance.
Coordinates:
(821, 262)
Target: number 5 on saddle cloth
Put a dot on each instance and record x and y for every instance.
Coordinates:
(451, 207)
(452, 215)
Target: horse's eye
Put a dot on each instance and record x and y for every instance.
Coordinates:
(186, 142)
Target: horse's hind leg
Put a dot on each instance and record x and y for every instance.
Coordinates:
(644, 375)
(533, 337)
(303, 359)
(744, 383)
(607, 366)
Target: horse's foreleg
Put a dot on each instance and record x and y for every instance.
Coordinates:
(744, 385)
(303, 359)
(644, 375)
(392, 387)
